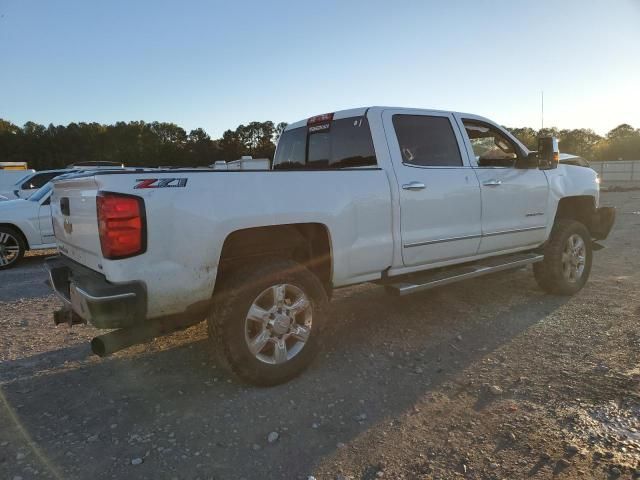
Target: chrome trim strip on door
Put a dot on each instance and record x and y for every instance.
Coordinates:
(438, 167)
(517, 230)
(430, 242)
(468, 237)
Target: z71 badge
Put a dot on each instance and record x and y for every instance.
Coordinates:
(160, 182)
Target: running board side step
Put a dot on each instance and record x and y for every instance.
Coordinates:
(418, 282)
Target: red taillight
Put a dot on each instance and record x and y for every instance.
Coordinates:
(121, 224)
(325, 117)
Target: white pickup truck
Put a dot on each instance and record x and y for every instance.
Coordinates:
(406, 198)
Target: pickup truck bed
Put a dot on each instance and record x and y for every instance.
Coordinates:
(355, 205)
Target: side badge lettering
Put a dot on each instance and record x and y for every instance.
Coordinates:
(160, 183)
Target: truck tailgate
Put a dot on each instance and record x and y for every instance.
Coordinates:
(75, 221)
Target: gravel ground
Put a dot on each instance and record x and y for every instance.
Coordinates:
(489, 378)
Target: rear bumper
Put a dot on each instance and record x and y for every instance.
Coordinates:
(602, 222)
(93, 298)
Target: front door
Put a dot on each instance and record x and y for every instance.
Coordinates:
(45, 222)
(439, 192)
(514, 200)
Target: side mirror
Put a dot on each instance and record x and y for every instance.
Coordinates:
(548, 152)
(530, 161)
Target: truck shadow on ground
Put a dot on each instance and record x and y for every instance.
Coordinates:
(185, 418)
(24, 368)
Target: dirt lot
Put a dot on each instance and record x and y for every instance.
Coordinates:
(486, 379)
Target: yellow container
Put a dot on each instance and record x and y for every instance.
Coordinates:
(13, 166)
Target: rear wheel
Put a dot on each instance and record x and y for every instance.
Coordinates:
(12, 247)
(567, 259)
(266, 321)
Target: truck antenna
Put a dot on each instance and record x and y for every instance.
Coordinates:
(542, 111)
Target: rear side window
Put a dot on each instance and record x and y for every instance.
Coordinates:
(427, 141)
(344, 143)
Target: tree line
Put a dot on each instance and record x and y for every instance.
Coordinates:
(141, 143)
(620, 143)
(135, 143)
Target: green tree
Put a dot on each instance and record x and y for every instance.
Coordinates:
(528, 136)
(622, 131)
(622, 143)
(580, 142)
(279, 130)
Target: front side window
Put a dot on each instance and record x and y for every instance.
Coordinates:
(491, 147)
(343, 143)
(427, 141)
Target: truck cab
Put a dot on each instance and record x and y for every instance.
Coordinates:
(461, 185)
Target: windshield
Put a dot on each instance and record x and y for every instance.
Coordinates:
(40, 193)
(23, 178)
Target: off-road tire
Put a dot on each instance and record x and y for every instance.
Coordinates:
(15, 238)
(549, 273)
(235, 294)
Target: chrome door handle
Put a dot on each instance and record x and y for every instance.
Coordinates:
(493, 183)
(414, 186)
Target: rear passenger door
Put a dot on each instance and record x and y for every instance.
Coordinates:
(439, 192)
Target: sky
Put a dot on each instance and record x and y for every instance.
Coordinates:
(216, 65)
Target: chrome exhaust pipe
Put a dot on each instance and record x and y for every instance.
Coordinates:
(119, 339)
(122, 338)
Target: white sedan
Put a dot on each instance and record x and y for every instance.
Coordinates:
(25, 225)
(30, 182)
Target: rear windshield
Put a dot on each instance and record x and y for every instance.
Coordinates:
(344, 143)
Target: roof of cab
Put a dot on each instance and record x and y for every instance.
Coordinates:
(352, 112)
(356, 112)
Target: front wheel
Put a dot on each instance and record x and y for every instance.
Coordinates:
(567, 259)
(266, 321)
(12, 247)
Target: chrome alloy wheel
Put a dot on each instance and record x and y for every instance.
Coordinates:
(9, 249)
(573, 258)
(278, 324)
